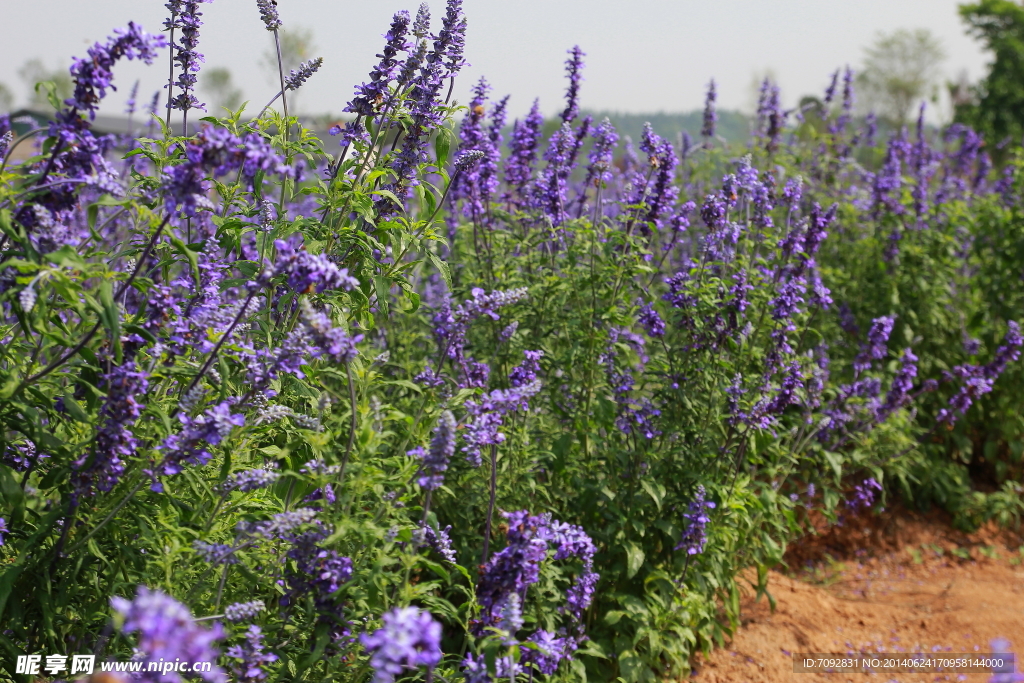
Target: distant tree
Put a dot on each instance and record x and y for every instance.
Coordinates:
(217, 83)
(900, 69)
(995, 106)
(34, 71)
(6, 98)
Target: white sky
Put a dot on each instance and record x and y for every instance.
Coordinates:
(642, 55)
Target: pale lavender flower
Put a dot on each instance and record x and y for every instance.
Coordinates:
(297, 77)
(440, 541)
(250, 480)
(253, 658)
(409, 639)
(168, 632)
(243, 611)
(215, 553)
(1007, 673)
(442, 447)
(93, 75)
(102, 466)
(268, 14)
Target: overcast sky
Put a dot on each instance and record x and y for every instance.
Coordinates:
(642, 55)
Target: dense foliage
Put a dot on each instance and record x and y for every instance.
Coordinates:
(995, 105)
(445, 404)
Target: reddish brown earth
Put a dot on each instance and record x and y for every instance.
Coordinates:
(898, 582)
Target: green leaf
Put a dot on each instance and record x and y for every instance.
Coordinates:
(655, 490)
(75, 410)
(443, 145)
(191, 256)
(634, 559)
(111, 316)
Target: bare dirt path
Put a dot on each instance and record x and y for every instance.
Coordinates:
(897, 583)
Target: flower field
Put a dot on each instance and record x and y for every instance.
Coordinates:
(447, 396)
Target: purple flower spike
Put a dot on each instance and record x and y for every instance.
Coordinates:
(168, 632)
(243, 611)
(92, 76)
(442, 448)
(297, 77)
(371, 97)
(268, 14)
(409, 639)
(877, 344)
(115, 441)
(252, 656)
(710, 115)
(308, 273)
(185, 17)
(864, 494)
(696, 519)
(574, 68)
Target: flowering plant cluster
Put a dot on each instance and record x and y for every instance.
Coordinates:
(440, 397)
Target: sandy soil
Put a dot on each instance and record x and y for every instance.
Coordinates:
(899, 582)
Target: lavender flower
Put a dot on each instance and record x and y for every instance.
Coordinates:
(370, 97)
(864, 494)
(102, 468)
(93, 75)
(22, 456)
(510, 617)
(215, 553)
(185, 17)
(168, 632)
(902, 384)
(710, 115)
(189, 446)
(321, 571)
(309, 273)
(696, 520)
(550, 652)
(296, 78)
(253, 658)
(515, 566)
(280, 525)
(421, 25)
(250, 480)
(440, 542)
(409, 639)
(523, 151)
(269, 15)
(526, 372)
(442, 447)
(332, 342)
(468, 159)
(574, 68)
(5, 142)
(876, 347)
(508, 332)
(601, 154)
(3, 530)
(450, 42)
(1007, 673)
(243, 611)
(214, 151)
